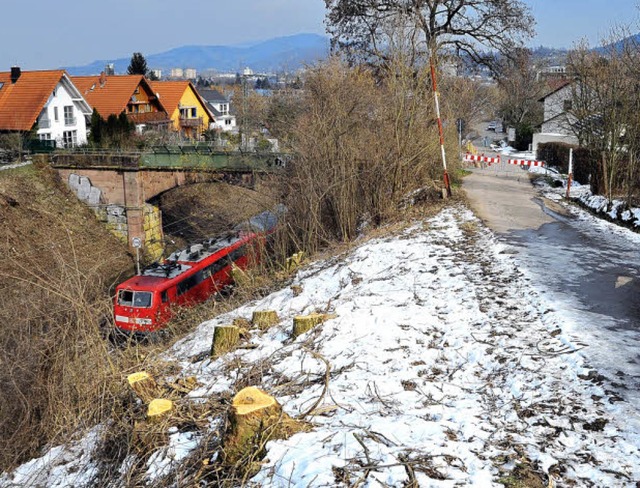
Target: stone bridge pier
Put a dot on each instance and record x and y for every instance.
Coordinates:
(120, 199)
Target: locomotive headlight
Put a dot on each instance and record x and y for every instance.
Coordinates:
(144, 321)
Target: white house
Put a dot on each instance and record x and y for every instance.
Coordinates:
(558, 120)
(45, 101)
(224, 118)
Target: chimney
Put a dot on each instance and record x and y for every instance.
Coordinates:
(15, 73)
(102, 79)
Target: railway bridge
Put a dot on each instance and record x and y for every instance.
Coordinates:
(120, 186)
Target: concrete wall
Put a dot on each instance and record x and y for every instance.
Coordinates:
(541, 138)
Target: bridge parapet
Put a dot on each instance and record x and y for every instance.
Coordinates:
(177, 158)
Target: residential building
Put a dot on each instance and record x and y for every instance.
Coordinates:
(131, 94)
(224, 118)
(558, 120)
(189, 112)
(190, 74)
(177, 73)
(45, 101)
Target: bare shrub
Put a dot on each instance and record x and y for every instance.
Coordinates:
(361, 144)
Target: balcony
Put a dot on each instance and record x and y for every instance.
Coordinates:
(186, 122)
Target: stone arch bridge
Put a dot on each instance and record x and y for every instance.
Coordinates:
(120, 186)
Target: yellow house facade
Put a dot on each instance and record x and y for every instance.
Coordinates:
(187, 110)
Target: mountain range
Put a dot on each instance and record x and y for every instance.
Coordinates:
(282, 53)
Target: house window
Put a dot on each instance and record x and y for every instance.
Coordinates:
(194, 113)
(567, 105)
(55, 113)
(227, 122)
(45, 137)
(224, 108)
(70, 138)
(69, 119)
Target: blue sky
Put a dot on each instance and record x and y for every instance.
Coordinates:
(43, 34)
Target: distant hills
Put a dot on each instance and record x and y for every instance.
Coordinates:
(281, 53)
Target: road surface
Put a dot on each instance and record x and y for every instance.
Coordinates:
(589, 271)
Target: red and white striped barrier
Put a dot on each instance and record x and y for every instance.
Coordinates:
(526, 162)
(481, 159)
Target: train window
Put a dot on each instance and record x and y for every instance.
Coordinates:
(142, 299)
(237, 253)
(190, 282)
(139, 299)
(125, 298)
(215, 267)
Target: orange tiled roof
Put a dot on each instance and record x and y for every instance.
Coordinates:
(22, 102)
(171, 93)
(111, 96)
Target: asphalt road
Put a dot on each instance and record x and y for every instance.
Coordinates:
(589, 273)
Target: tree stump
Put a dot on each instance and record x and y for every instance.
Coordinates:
(255, 418)
(296, 289)
(159, 409)
(264, 319)
(239, 276)
(144, 386)
(304, 323)
(225, 339)
(294, 261)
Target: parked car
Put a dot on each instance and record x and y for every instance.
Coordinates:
(492, 126)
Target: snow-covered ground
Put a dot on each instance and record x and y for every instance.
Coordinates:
(446, 369)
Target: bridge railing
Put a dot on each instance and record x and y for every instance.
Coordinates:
(199, 157)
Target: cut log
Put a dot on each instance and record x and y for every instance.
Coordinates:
(225, 339)
(263, 319)
(159, 409)
(144, 386)
(255, 418)
(304, 323)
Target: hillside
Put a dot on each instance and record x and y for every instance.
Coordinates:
(283, 53)
(59, 264)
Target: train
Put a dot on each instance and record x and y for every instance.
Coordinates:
(146, 302)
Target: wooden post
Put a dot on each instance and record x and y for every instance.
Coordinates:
(225, 339)
(144, 386)
(264, 319)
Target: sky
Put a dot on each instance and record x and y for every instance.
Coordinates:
(47, 34)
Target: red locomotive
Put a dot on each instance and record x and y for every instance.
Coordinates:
(144, 303)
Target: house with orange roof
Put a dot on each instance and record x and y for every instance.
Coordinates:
(187, 109)
(46, 102)
(131, 94)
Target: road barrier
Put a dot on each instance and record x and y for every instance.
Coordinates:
(469, 158)
(526, 162)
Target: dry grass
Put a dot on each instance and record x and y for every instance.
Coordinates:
(57, 371)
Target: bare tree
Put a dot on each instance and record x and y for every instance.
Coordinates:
(602, 95)
(469, 27)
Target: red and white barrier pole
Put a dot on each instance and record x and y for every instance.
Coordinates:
(570, 173)
(447, 184)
